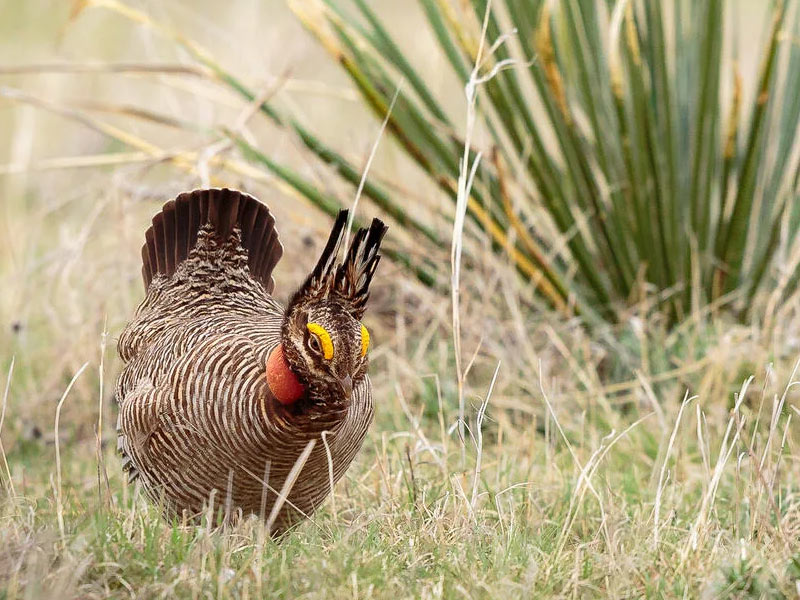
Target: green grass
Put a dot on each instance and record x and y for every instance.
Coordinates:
(567, 512)
(403, 522)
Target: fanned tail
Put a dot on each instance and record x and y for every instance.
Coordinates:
(174, 232)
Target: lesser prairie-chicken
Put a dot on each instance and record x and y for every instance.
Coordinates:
(224, 389)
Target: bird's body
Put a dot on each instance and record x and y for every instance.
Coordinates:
(200, 422)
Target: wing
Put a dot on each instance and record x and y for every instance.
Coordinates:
(183, 430)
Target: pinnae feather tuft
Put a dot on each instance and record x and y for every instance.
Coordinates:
(327, 259)
(350, 280)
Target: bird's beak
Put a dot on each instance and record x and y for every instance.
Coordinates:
(347, 386)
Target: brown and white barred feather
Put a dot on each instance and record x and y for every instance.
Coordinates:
(197, 420)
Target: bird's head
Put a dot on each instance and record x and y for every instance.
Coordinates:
(323, 351)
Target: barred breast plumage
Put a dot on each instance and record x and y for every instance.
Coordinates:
(223, 389)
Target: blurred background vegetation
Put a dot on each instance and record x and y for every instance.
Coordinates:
(615, 162)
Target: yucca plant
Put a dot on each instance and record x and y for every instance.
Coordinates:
(626, 160)
(620, 134)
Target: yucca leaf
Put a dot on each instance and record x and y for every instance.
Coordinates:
(409, 125)
(384, 42)
(610, 139)
(734, 244)
(445, 40)
(706, 122)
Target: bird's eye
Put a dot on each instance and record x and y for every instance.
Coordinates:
(320, 340)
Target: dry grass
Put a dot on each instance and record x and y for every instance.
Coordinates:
(635, 463)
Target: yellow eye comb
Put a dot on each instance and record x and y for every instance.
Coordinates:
(364, 340)
(324, 339)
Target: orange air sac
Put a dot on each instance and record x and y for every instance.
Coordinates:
(282, 381)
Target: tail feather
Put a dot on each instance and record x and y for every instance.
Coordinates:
(174, 232)
(147, 270)
(258, 231)
(168, 230)
(183, 214)
(269, 259)
(248, 212)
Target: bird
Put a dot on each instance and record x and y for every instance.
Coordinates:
(229, 403)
